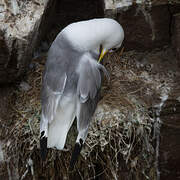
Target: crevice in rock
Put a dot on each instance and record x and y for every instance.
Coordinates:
(13, 61)
(170, 20)
(61, 13)
(145, 9)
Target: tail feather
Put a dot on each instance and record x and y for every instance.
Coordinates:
(43, 146)
(59, 127)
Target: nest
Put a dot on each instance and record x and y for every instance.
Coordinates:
(120, 139)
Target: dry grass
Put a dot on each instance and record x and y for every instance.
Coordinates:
(120, 138)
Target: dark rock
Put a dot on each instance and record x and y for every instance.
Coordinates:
(169, 156)
(143, 27)
(19, 32)
(176, 36)
(174, 8)
(65, 12)
(5, 93)
(25, 24)
(147, 24)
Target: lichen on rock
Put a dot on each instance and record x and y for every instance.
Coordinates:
(19, 29)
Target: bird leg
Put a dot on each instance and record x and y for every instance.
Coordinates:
(43, 146)
(75, 154)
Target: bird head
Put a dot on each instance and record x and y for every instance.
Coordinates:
(101, 35)
(112, 40)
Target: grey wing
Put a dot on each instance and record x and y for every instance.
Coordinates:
(49, 100)
(89, 84)
(88, 91)
(50, 96)
(54, 80)
(53, 84)
(90, 80)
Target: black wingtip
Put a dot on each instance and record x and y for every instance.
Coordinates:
(75, 154)
(43, 146)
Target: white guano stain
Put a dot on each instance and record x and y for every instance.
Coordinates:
(115, 4)
(157, 126)
(1, 153)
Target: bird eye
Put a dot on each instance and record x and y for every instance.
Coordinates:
(114, 49)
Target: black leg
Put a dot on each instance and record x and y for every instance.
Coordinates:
(43, 146)
(75, 154)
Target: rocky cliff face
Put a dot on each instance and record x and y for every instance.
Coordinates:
(139, 108)
(23, 24)
(147, 24)
(19, 32)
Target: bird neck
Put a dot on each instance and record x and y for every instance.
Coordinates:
(86, 36)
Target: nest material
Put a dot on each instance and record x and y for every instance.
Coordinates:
(120, 139)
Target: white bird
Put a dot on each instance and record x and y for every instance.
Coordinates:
(72, 80)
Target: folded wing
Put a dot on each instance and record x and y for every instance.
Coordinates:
(88, 92)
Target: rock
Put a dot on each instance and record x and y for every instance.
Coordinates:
(19, 31)
(5, 93)
(169, 157)
(143, 21)
(69, 11)
(176, 36)
(146, 33)
(23, 24)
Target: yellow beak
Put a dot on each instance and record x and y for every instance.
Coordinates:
(103, 52)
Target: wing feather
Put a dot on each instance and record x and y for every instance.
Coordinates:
(50, 98)
(89, 79)
(88, 90)
(51, 93)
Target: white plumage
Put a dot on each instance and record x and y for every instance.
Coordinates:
(88, 35)
(62, 122)
(72, 80)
